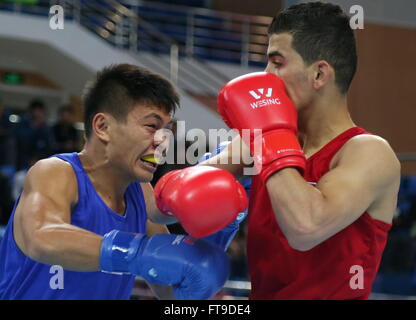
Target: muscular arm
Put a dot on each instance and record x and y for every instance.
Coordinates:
(366, 174)
(42, 227)
(234, 158)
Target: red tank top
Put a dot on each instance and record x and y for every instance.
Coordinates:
(278, 271)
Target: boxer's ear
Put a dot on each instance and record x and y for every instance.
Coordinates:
(101, 126)
(322, 74)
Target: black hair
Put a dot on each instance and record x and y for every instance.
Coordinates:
(321, 31)
(36, 104)
(118, 88)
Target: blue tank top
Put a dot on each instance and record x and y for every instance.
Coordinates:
(23, 278)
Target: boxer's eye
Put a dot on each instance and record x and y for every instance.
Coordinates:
(153, 126)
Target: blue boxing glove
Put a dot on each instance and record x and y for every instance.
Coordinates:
(195, 269)
(224, 237)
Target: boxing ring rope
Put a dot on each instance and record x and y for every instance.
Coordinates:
(233, 290)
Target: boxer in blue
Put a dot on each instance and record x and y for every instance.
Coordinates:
(93, 213)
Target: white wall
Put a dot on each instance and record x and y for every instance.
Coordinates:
(68, 57)
(71, 56)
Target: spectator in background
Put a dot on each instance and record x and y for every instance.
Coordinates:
(19, 178)
(7, 156)
(33, 135)
(65, 136)
(6, 164)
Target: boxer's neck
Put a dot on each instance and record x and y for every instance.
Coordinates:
(321, 122)
(108, 182)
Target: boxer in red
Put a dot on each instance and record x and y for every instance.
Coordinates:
(323, 200)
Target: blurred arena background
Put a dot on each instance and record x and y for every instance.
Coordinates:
(199, 45)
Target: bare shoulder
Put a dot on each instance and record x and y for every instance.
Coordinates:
(52, 176)
(372, 151)
(374, 164)
(369, 147)
(50, 190)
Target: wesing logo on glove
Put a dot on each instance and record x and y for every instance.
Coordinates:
(263, 102)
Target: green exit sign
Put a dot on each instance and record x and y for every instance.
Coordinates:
(13, 78)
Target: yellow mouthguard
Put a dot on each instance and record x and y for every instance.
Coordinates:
(151, 159)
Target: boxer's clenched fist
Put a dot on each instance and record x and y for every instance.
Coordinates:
(196, 269)
(259, 101)
(204, 199)
(224, 237)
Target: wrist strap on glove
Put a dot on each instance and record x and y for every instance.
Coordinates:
(279, 149)
(118, 249)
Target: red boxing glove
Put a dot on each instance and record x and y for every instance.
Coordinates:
(259, 101)
(204, 199)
